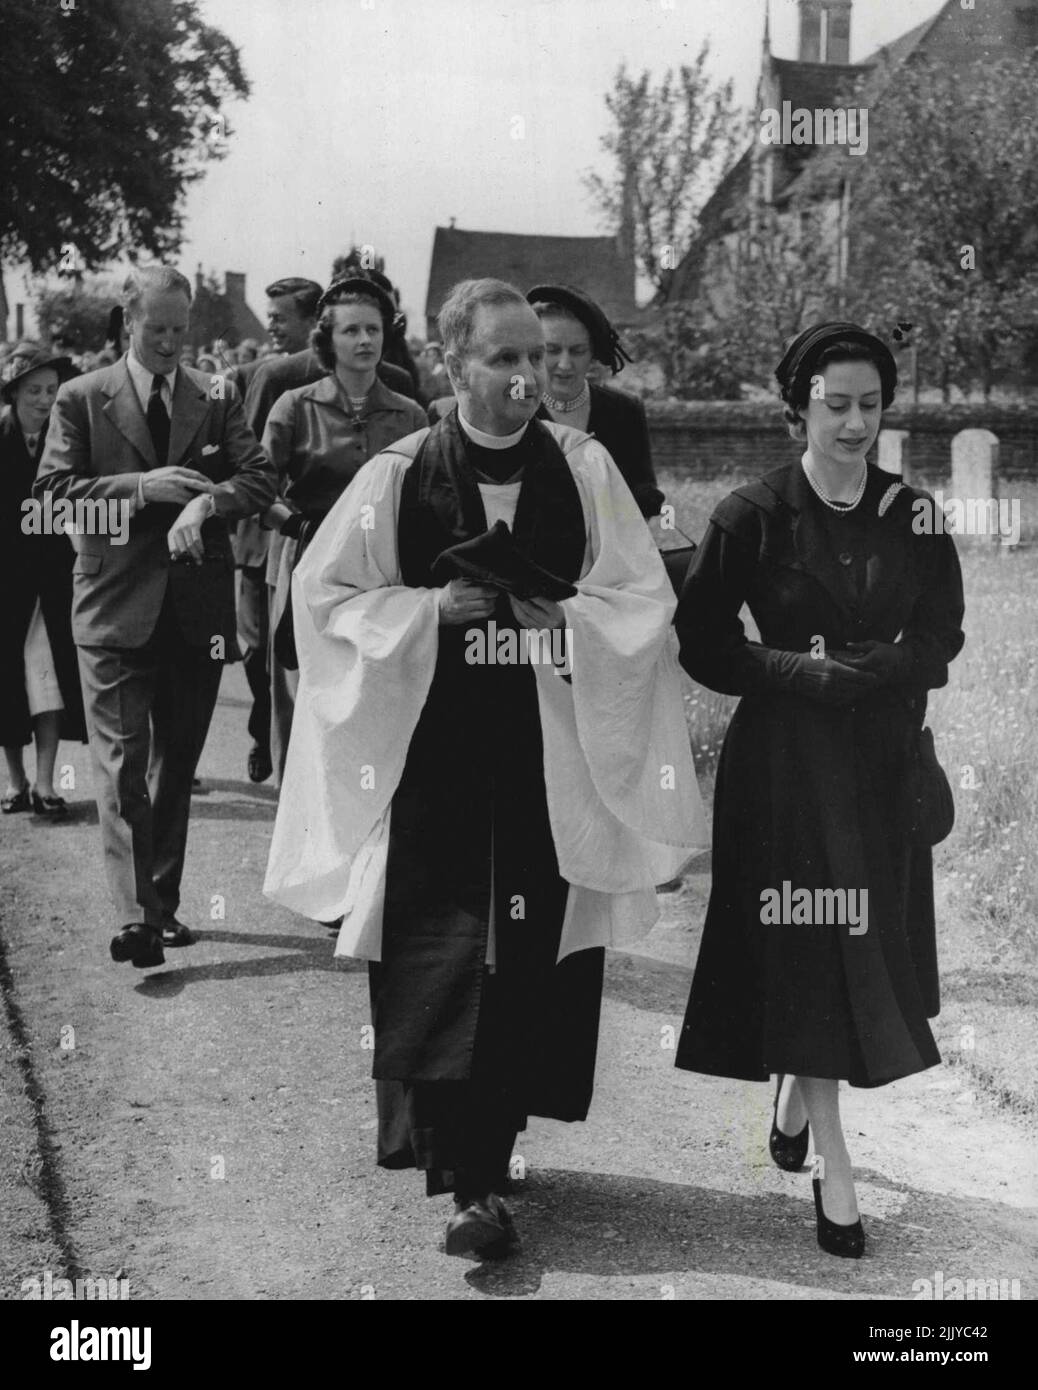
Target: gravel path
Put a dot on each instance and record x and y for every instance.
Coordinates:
(207, 1130)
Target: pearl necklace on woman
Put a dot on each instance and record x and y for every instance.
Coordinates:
(859, 491)
(564, 407)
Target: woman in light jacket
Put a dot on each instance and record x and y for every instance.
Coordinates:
(318, 437)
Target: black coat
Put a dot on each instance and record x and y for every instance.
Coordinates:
(470, 821)
(32, 567)
(617, 420)
(808, 793)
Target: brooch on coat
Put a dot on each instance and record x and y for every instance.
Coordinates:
(887, 499)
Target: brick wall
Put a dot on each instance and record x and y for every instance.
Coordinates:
(717, 439)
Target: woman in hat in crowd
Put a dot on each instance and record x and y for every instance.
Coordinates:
(859, 612)
(40, 697)
(318, 436)
(578, 335)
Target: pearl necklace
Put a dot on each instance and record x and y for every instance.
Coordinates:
(859, 491)
(564, 407)
(358, 403)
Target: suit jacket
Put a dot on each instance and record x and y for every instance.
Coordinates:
(243, 373)
(617, 420)
(98, 444)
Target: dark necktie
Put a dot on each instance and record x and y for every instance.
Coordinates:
(158, 421)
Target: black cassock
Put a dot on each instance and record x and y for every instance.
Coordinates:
(463, 1055)
(808, 793)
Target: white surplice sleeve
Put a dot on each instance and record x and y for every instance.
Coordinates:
(623, 799)
(367, 650)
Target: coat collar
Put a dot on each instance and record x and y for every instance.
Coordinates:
(802, 541)
(329, 391)
(123, 408)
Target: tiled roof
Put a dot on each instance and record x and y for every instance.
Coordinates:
(592, 264)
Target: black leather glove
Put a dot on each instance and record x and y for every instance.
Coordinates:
(293, 525)
(821, 678)
(888, 661)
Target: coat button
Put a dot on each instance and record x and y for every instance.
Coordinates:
(846, 558)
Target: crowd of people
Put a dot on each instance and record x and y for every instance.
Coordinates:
(462, 647)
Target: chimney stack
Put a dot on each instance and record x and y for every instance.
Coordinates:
(825, 31)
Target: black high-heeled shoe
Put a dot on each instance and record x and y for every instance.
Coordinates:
(834, 1238)
(788, 1150)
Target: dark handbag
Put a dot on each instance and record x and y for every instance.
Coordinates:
(677, 561)
(929, 807)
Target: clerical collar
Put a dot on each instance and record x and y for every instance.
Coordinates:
(491, 441)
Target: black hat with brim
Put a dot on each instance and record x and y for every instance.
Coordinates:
(605, 341)
(806, 348)
(22, 364)
(493, 558)
(359, 284)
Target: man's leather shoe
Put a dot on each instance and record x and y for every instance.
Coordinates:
(141, 945)
(480, 1226)
(260, 766)
(174, 933)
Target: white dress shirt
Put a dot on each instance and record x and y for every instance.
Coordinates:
(142, 383)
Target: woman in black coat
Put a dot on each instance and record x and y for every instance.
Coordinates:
(859, 609)
(40, 696)
(577, 333)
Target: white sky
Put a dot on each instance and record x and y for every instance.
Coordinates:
(375, 120)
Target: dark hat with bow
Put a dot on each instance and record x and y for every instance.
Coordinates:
(605, 341)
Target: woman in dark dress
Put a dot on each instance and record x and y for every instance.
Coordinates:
(859, 615)
(576, 334)
(40, 696)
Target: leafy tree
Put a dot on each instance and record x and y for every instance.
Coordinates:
(757, 287)
(109, 109)
(669, 144)
(945, 218)
(77, 311)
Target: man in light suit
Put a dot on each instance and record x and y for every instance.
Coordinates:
(153, 617)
